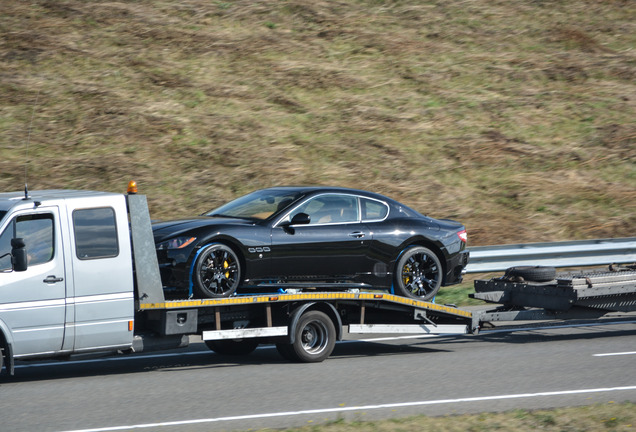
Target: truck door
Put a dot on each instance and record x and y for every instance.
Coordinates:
(102, 274)
(32, 303)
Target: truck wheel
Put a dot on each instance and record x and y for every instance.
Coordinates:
(418, 273)
(315, 337)
(532, 273)
(217, 272)
(233, 346)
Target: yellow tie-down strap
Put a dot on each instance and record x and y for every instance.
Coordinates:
(274, 298)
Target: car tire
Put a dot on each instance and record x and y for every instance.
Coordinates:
(217, 272)
(233, 347)
(532, 273)
(418, 273)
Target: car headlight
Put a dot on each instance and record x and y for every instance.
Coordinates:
(176, 243)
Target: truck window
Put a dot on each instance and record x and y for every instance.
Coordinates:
(37, 232)
(95, 233)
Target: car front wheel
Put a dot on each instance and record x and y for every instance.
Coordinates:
(418, 274)
(217, 272)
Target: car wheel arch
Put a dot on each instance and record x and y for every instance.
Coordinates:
(219, 239)
(434, 247)
(192, 261)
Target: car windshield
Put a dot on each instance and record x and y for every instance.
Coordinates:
(257, 205)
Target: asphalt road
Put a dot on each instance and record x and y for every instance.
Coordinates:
(197, 390)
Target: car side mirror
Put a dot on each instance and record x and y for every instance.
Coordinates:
(300, 219)
(18, 254)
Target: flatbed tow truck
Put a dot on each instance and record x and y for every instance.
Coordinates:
(95, 287)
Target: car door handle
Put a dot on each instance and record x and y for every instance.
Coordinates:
(52, 279)
(356, 234)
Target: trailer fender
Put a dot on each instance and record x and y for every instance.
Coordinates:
(6, 345)
(327, 308)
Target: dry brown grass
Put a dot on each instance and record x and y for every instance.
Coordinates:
(516, 118)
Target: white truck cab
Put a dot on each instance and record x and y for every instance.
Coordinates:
(66, 273)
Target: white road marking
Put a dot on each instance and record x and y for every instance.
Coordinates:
(356, 408)
(615, 354)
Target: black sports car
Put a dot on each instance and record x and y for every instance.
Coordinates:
(302, 237)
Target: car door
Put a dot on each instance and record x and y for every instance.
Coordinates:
(32, 303)
(332, 246)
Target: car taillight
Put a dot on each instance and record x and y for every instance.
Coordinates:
(463, 235)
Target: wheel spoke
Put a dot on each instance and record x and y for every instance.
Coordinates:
(420, 273)
(218, 271)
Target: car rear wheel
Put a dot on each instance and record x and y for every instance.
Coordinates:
(419, 273)
(217, 272)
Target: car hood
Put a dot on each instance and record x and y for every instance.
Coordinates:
(165, 229)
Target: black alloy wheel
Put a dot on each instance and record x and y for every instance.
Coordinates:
(217, 272)
(419, 274)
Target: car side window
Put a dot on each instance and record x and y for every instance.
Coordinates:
(373, 210)
(37, 232)
(330, 208)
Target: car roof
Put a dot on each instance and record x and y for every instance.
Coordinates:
(305, 190)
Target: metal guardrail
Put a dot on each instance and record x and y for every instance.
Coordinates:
(579, 253)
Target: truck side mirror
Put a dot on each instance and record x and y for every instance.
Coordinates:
(18, 254)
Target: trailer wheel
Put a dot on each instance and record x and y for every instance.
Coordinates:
(217, 271)
(532, 273)
(418, 273)
(315, 337)
(233, 347)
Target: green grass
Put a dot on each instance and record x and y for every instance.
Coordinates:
(457, 295)
(606, 417)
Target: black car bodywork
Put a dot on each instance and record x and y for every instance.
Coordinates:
(302, 237)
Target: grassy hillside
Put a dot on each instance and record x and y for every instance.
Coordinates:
(514, 117)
